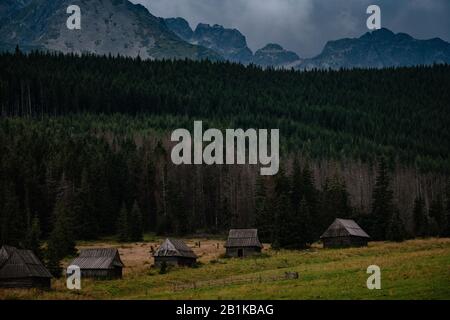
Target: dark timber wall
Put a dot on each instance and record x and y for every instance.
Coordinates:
(175, 261)
(41, 283)
(246, 251)
(344, 242)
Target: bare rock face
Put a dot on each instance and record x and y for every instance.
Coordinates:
(274, 55)
(380, 49)
(229, 43)
(107, 27)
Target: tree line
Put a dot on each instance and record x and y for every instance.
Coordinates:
(295, 214)
(399, 113)
(85, 177)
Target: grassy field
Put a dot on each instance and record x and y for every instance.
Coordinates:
(416, 269)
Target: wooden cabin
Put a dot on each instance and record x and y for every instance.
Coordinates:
(174, 252)
(344, 233)
(242, 243)
(103, 263)
(22, 269)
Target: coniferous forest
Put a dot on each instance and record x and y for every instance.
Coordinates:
(85, 150)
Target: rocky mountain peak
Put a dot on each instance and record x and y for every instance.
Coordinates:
(108, 27)
(274, 55)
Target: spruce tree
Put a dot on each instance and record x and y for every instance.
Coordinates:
(296, 183)
(447, 211)
(87, 227)
(122, 225)
(396, 228)
(263, 215)
(420, 218)
(136, 229)
(335, 202)
(310, 194)
(33, 238)
(301, 227)
(382, 203)
(61, 242)
(13, 231)
(54, 261)
(283, 211)
(438, 217)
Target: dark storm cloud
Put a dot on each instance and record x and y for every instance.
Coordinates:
(306, 25)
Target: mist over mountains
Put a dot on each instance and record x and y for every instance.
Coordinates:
(120, 27)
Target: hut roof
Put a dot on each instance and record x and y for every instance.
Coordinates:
(243, 238)
(174, 248)
(103, 258)
(17, 263)
(344, 228)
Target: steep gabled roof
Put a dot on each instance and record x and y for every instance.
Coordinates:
(17, 263)
(243, 238)
(344, 228)
(174, 248)
(103, 258)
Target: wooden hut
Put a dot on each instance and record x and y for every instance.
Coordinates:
(103, 263)
(242, 243)
(344, 233)
(174, 252)
(22, 269)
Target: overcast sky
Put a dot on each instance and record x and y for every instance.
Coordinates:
(304, 26)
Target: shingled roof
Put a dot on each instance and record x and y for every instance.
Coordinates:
(17, 263)
(103, 258)
(174, 248)
(243, 238)
(344, 228)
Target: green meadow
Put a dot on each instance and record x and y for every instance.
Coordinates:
(415, 269)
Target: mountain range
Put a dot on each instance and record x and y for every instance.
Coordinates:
(120, 27)
(379, 49)
(107, 27)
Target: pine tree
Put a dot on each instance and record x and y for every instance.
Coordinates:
(396, 228)
(438, 217)
(382, 204)
(136, 230)
(296, 183)
(420, 218)
(13, 219)
(447, 210)
(54, 261)
(122, 225)
(87, 227)
(301, 228)
(335, 202)
(263, 215)
(310, 194)
(61, 242)
(33, 238)
(283, 211)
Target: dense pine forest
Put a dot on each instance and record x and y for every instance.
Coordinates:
(85, 150)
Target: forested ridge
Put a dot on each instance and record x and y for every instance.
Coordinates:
(401, 113)
(85, 153)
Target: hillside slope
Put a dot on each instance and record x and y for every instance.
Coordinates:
(107, 26)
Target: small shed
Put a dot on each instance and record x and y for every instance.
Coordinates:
(344, 233)
(174, 252)
(242, 243)
(102, 263)
(22, 269)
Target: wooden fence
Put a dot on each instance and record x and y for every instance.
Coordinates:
(180, 286)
